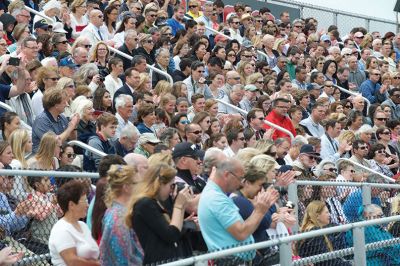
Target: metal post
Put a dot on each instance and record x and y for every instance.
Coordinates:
(366, 194)
(359, 246)
(285, 253)
(292, 195)
(367, 22)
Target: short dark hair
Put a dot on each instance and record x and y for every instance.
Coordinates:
(252, 113)
(298, 69)
(280, 100)
(137, 59)
(107, 161)
(233, 134)
(195, 65)
(330, 123)
(70, 191)
(375, 147)
(357, 143)
(195, 97)
(184, 63)
(392, 91)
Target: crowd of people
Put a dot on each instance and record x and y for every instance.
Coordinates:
(185, 171)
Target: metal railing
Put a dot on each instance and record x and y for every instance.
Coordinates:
(240, 110)
(366, 169)
(344, 20)
(38, 13)
(285, 251)
(32, 172)
(354, 94)
(87, 147)
(168, 76)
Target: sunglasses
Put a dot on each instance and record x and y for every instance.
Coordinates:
(347, 106)
(381, 151)
(381, 118)
(192, 6)
(197, 132)
(363, 148)
(63, 42)
(260, 82)
(71, 155)
(53, 79)
(153, 15)
(396, 77)
(149, 41)
(236, 22)
(386, 133)
(87, 45)
(333, 170)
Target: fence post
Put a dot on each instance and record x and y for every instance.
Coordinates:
(292, 195)
(359, 246)
(285, 253)
(335, 18)
(366, 194)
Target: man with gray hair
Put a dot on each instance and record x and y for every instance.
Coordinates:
(234, 97)
(127, 140)
(80, 56)
(138, 161)
(220, 221)
(212, 156)
(334, 51)
(124, 107)
(294, 150)
(128, 47)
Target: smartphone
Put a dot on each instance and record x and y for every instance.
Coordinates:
(13, 61)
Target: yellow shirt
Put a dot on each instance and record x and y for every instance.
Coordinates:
(189, 13)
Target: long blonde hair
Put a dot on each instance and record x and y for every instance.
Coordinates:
(18, 140)
(156, 175)
(310, 219)
(118, 176)
(45, 154)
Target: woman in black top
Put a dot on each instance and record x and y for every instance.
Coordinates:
(158, 227)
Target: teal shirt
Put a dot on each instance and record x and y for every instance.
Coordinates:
(89, 213)
(291, 69)
(217, 212)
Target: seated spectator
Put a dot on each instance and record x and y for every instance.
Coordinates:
(102, 100)
(379, 161)
(312, 124)
(67, 155)
(9, 122)
(21, 145)
(146, 144)
(316, 217)
(160, 238)
(124, 107)
(127, 140)
(52, 119)
(162, 56)
(46, 78)
(120, 244)
(278, 116)
(306, 161)
(86, 126)
(106, 128)
(354, 200)
(70, 240)
(146, 117)
(375, 233)
(46, 157)
(236, 142)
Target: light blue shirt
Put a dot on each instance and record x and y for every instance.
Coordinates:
(316, 130)
(217, 212)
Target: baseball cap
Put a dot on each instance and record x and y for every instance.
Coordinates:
(58, 27)
(186, 149)
(247, 44)
(250, 87)
(309, 150)
(68, 62)
(148, 138)
(325, 38)
(42, 24)
(313, 86)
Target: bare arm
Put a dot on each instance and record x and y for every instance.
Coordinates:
(19, 87)
(69, 132)
(71, 259)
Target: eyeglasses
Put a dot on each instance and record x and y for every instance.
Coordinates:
(236, 78)
(297, 26)
(238, 177)
(328, 86)
(376, 74)
(71, 155)
(88, 46)
(347, 54)
(149, 41)
(347, 106)
(247, 56)
(184, 122)
(197, 132)
(386, 133)
(231, 55)
(63, 42)
(381, 118)
(54, 79)
(333, 170)
(258, 20)
(396, 95)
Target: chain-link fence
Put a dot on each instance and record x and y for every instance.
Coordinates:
(29, 209)
(363, 243)
(344, 20)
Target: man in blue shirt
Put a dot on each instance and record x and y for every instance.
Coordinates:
(219, 218)
(176, 22)
(370, 88)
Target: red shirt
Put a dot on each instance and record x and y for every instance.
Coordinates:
(282, 121)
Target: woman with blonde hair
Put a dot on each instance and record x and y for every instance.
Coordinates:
(78, 19)
(144, 83)
(317, 216)
(267, 164)
(100, 55)
(167, 103)
(21, 145)
(211, 107)
(46, 78)
(161, 157)
(119, 243)
(246, 69)
(20, 32)
(49, 150)
(279, 46)
(67, 84)
(163, 87)
(245, 155)
(179, 89)
(159, 229)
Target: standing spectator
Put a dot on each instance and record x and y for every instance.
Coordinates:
(161, 238)
(70, 241)
(278, 116)
(119, 244)
(219, 219)
(78, 17)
